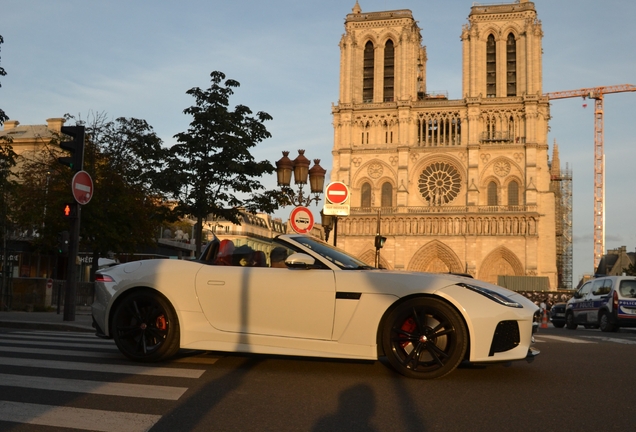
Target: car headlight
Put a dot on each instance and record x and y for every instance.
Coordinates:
(492, 295)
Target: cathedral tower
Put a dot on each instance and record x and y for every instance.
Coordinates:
(460, 185)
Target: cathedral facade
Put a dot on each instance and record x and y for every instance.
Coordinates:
(456, 185)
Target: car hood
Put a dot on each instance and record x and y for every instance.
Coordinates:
(403, 283)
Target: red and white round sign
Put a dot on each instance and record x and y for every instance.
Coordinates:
(337, 193)
(49, 283)
(82, 187)
(301, 220)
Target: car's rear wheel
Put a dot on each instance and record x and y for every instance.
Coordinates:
(145, 327)
(569, 322)
(605, 324)
(424, 338)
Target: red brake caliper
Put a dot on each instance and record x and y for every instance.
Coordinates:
(161, 322)
(408, 326)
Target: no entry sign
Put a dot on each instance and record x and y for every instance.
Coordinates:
(82, 187)
(337, 193)
(301, 220)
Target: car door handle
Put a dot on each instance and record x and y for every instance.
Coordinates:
(216, 282)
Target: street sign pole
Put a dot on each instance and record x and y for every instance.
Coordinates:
(71, 269)
(82, 189)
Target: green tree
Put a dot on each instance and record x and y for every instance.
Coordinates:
(630, 270)
(123, 158)
(212, 171)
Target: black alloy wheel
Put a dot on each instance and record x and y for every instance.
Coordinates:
(424, 338)
(145, 327)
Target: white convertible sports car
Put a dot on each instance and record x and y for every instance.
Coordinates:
(296, 295)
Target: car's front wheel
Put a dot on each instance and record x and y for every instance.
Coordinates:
(145, 327)
(424, 338)
(569, 322)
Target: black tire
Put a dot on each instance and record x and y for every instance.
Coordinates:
(424, 338)
(145, 327)
(569, 322)
(559, 324)
(605, 324)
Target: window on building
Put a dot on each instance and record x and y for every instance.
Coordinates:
(511, 66)
(492, 194)
(491, 67)
(366, 195)
(513, 193)
(367, 84)
(387, 195)
(389, 71)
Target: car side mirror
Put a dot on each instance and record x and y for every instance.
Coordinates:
(300, 261)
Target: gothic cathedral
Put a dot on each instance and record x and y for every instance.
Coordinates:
(458, 185)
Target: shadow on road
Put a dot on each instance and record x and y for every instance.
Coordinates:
(356, 407)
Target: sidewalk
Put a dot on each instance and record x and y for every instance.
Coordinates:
(47, 321)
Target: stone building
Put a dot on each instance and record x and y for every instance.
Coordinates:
(28, 140)
(459, 185)
(616, 262)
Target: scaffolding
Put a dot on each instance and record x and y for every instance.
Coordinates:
(561, 185)
(566, 221)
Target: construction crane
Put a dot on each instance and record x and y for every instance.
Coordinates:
(596, 93)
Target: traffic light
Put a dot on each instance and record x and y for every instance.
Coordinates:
(69, 210)
(75, 147)
(62, 242)
(379, 241)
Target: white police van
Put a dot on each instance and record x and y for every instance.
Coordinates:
(607, 303)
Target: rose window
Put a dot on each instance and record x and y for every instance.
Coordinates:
(439, 183)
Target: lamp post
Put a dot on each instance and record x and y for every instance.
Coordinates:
(300, 168)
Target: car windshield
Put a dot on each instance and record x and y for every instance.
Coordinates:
(331, 253)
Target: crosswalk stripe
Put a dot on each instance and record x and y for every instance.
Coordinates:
(563, 339)
(68, 334)
(72, 353)
(94, 339)
(108, 368)
(60, 344)
(93, 387)
(76, 418)
(195, 359)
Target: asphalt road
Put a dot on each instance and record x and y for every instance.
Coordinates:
(582, 380)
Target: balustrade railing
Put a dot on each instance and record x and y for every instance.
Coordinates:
(362, 211)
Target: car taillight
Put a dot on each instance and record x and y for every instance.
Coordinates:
(103, 278)
(615, 301)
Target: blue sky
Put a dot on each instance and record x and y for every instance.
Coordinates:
(138, 58)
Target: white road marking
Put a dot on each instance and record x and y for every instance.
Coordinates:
(108, 368)
(562, 339)
(53, 338)
(76, 418)
(93, 387)
(67, 334)
(72, 353)
(61, 344)
(615, 340)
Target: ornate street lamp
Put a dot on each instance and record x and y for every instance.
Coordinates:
(300, 168)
